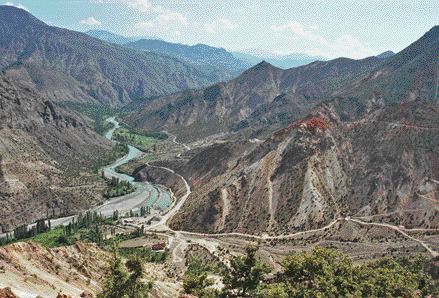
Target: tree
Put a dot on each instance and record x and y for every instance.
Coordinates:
(115, 215)
(326, 273)
(123, 284)
(245, 274)
(135, 287)
(277, 290)
(196, 284)
(391, 278)
(321, 272)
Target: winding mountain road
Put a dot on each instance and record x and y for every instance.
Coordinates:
(399, 230)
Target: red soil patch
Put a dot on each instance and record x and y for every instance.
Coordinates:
(311, 123)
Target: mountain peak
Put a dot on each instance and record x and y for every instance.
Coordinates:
(17, 16)
(263, 64)
(433, 30)
(385, 55)
(431, 36)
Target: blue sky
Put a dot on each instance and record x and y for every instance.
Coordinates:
(329, 28)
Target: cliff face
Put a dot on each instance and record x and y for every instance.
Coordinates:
(43, 149)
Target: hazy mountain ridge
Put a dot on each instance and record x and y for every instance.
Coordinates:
(112, 37)
(281, 61)
(251, 97)
(216, 60)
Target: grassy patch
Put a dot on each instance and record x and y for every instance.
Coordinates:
(117, 188)
(97, 112)
(141, 141)
(52, 238)
(145, 254)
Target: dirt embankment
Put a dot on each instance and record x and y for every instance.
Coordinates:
(7, 293)
(162, 176)
(31, 270)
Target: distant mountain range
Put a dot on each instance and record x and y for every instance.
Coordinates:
(68, 65)
(386, 54)
(112, 37)
(210, 59)
(254, 57)
(266, 96)
(261, 97)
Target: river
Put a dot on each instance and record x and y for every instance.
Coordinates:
(146, 194)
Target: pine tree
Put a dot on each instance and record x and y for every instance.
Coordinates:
(245, 274)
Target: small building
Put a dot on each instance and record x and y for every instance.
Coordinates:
(158, 246)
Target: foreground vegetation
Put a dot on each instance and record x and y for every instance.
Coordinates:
(125, 280)
(319, 273)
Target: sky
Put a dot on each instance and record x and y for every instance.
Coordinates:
(326, 28)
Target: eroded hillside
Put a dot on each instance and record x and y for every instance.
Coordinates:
(45, 154)
(319, 169)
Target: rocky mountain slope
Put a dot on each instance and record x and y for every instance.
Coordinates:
(32, 270)
(261, 94)
(360, 139)
(43, 151)
(68, 65)
(210, 59)
(317, 170)
(411, 74)
(266, 96)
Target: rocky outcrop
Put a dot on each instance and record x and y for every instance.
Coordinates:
(7, 293)
(74, 270)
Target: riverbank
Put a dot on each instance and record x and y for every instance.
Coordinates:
(145, 195)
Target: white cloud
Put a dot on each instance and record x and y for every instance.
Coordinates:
(220, 24)
(18, 5)
(317, 44)
(90, 21)
(165, 20)
(140, 5)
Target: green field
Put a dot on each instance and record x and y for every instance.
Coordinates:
(97, 112)
(52, 238)
(117, 188)
(143, 142)
(144, 253)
